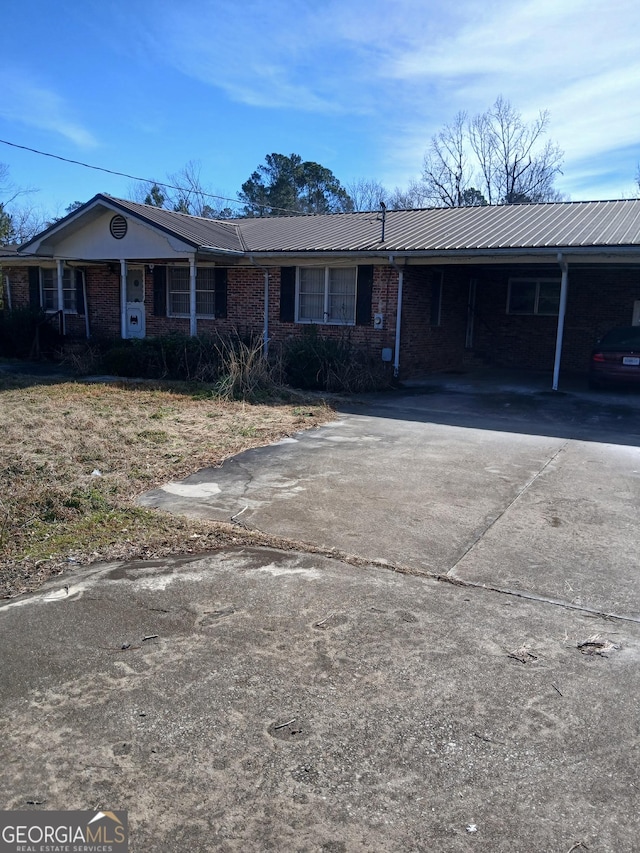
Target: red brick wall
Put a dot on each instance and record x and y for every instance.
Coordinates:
(598, 299)
(19, 283)
(426, 347)
(373, 341)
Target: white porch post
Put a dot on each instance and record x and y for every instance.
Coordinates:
(562, 310)
(123, 299)
(60, 266)
(193, 323)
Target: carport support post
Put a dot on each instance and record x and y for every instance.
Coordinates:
(193, 323)
(562, 310)
(123, 299)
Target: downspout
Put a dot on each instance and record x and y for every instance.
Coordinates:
(60, 266)
(265, 330)
(8, 287)
(562, 310)
(396, 358)
(193, 323)
(123, 299)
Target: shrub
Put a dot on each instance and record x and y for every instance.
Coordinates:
(27, 333)
(233, 365)
(332, 364)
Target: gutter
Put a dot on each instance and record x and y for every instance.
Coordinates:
(444, 255)
(265, 330)
(396, 357)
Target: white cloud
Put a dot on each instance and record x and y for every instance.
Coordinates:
(26, 102)
(260, 55)
(578, 59)
(409, 66)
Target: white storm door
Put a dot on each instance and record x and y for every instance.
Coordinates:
(135, 303)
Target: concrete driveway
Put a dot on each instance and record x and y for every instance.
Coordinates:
(258, 699)
(505, 486)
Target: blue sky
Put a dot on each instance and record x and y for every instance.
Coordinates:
(359, 86)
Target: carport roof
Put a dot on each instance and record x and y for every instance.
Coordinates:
(561, 225)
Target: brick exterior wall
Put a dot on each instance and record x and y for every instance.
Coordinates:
(599, 298)
(373, 341)
(426, 346)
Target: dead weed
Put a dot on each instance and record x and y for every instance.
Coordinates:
(74, 457)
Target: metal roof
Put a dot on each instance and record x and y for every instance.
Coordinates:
(445, 231)
(522, 226)
(197, 230)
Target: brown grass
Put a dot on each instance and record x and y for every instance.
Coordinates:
(56, 512)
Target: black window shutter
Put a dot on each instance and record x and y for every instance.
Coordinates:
(364, 295)
(221, 294)
(34, 287)
(287, 294)
(79, 292)
(160, 291)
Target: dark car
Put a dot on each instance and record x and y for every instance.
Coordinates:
(615, 359)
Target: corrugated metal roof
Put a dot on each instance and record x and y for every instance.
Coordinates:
(561, 225)
(524, 226)
(196, 230)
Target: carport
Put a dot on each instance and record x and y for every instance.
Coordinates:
(524, 290)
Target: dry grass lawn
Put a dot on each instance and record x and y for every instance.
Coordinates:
(57, 511)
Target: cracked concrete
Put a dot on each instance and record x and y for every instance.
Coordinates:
(256, 699)
(520, 496)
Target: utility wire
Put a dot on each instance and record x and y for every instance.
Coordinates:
(142, 180)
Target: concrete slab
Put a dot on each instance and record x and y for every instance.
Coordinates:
(257, 700)
(508, 488)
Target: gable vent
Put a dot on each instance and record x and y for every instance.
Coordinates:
(118, 227)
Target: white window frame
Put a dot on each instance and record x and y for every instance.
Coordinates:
(68, 290)
(211, 271)
(538, 283)
(326, 320)
(170, 312)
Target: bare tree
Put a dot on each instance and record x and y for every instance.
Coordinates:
(18, 222)
(184, 192)
(494, 158)
(367, 193)
(415, 196)
(27, 220)
(514, 164)
(446, 171)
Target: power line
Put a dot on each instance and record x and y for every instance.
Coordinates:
(142, 180)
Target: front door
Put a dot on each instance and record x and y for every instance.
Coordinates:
(135, 302)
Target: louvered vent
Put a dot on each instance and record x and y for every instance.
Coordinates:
(118, 227)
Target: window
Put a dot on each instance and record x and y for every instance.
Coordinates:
(179, 284)
(179, 291)
(206, 292)
(49, 289)
(326, 295)
(534, 296)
